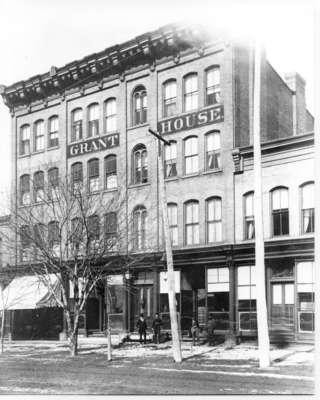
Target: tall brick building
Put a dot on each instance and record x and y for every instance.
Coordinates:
(90, 120)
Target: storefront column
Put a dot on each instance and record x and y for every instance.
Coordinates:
(126, 288)
(232, 297)
(155, 290)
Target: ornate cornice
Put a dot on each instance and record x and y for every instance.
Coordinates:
(114, 61)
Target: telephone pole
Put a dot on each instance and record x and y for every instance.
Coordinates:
(176, 346)
(262, 316)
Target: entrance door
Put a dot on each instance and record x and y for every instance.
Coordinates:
(143, 304)
(282, 307)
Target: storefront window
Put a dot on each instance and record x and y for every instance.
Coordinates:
(218, 296)
(247, 306)
(305, 289)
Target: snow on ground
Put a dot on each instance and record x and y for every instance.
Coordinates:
(291, 355)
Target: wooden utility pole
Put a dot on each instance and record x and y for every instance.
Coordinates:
(176, 346)
(262, 316)
(317, 193)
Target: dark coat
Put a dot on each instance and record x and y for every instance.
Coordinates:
(211, 326)
(156, 324)
(141, 325)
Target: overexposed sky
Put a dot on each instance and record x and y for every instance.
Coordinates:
(36, 34)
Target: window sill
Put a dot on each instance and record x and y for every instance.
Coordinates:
(137, 185)
(212, 171)
(53, 148)
(173, 178)
(110, 190)
(190, 175)
(138, 126)
(37, 152)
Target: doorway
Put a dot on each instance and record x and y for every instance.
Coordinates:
(282, 308)
(142, 304)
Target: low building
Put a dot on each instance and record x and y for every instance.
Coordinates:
(89, 120)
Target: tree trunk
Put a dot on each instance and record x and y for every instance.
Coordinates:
(109, 338)
(73, 342)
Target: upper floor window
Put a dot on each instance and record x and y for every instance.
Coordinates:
(213, 151)
(39, 136)
(307, 207)
(140, 164)
(173, 222)
(111, 115)
(192, 222)
(25, 234)
(249, 215)
(76, 235)
(170, 160)
(93, 120)
(25, 195)
(280, 211)
(169, 98)
(25, 139)
(76, 131)
(111, 231)
(214, 220)
(213, 86)
(76, 177)
(54, 236)
(53, 131)
(53, 182)
(38, 185)
(191, 92)
(111, 171)
(191, 157)
(139, 105)
(139, 227)
(93, 231)
(93, 175)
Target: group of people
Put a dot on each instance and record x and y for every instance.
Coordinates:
(156, 328)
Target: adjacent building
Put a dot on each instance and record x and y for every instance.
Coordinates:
(90, 119)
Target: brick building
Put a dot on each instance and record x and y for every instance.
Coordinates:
(90, 120)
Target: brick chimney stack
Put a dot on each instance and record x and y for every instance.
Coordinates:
(297, 84)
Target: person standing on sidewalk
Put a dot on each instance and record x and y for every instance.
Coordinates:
(156, 326)
(195, 331)
(142, 328)
(211, 328)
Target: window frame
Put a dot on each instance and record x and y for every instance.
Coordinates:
(39, 137)
(193, 156)
(111, 116)
(191, 94)
(140, 237)
(76, 125)
(194, 225)
(38, 185)
(215, 153)
(93, 124)
(23, 192)
(53, 142)
(93, 166)
(311, 210)
(140, 149)
(173, 226)
(167, 102)
(25, 144)
(111, 234)
(78, 181)
(214, 222)
(169, 161)
(139, 115)
(111, 173)
(275, 212)
(213, 87)
(248, 218)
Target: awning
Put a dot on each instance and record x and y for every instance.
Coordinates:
(27, 293)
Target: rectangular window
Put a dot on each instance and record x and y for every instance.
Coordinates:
(93, 167)
(111, 172)
(191, 92)
(170, 99)
(170, 167)
(53, 180)
(192, 223)
(25, 140)
(213, 86)
(173, 223)
(214, 220)
(280, 212)
(25, 195)
(191, 156)
(213, 151)
(111, 231)
(249, 216)
(247, 307)
(111, 115)
(39, 136)
(93, 123)
(54, 132)
(38, 186)
(93, 232)
(308, 208)
(76, 133)
(77, 177)
(218, 296)
(305, 291)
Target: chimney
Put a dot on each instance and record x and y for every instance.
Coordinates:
(297, 84)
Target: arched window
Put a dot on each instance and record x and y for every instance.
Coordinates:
(93, 120)
(39, 135)
(53, 182)
(111, 115)
(93, 175)
(213, 86)
(53, 139)
(191, 93)
(170, 160)
(249, 215)
(25, 234)
(139, 227)
(25, 195)
(170, 98)
(93, 232)
(280, 211)
(110, 163)
(173, 222)
(192, 222)
(76, 234)
(214, 220)
(76, 118)
(53, 234)
(76, 177)
(140, 164)
(307, 207)
(25, 139)
(191, 156)
(38, 186)
(213, 151)
(139, 98)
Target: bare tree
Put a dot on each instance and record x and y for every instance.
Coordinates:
(60, 238)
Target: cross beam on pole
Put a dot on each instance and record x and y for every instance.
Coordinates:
(159, 137)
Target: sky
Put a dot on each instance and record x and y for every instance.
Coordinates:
(36, 34)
